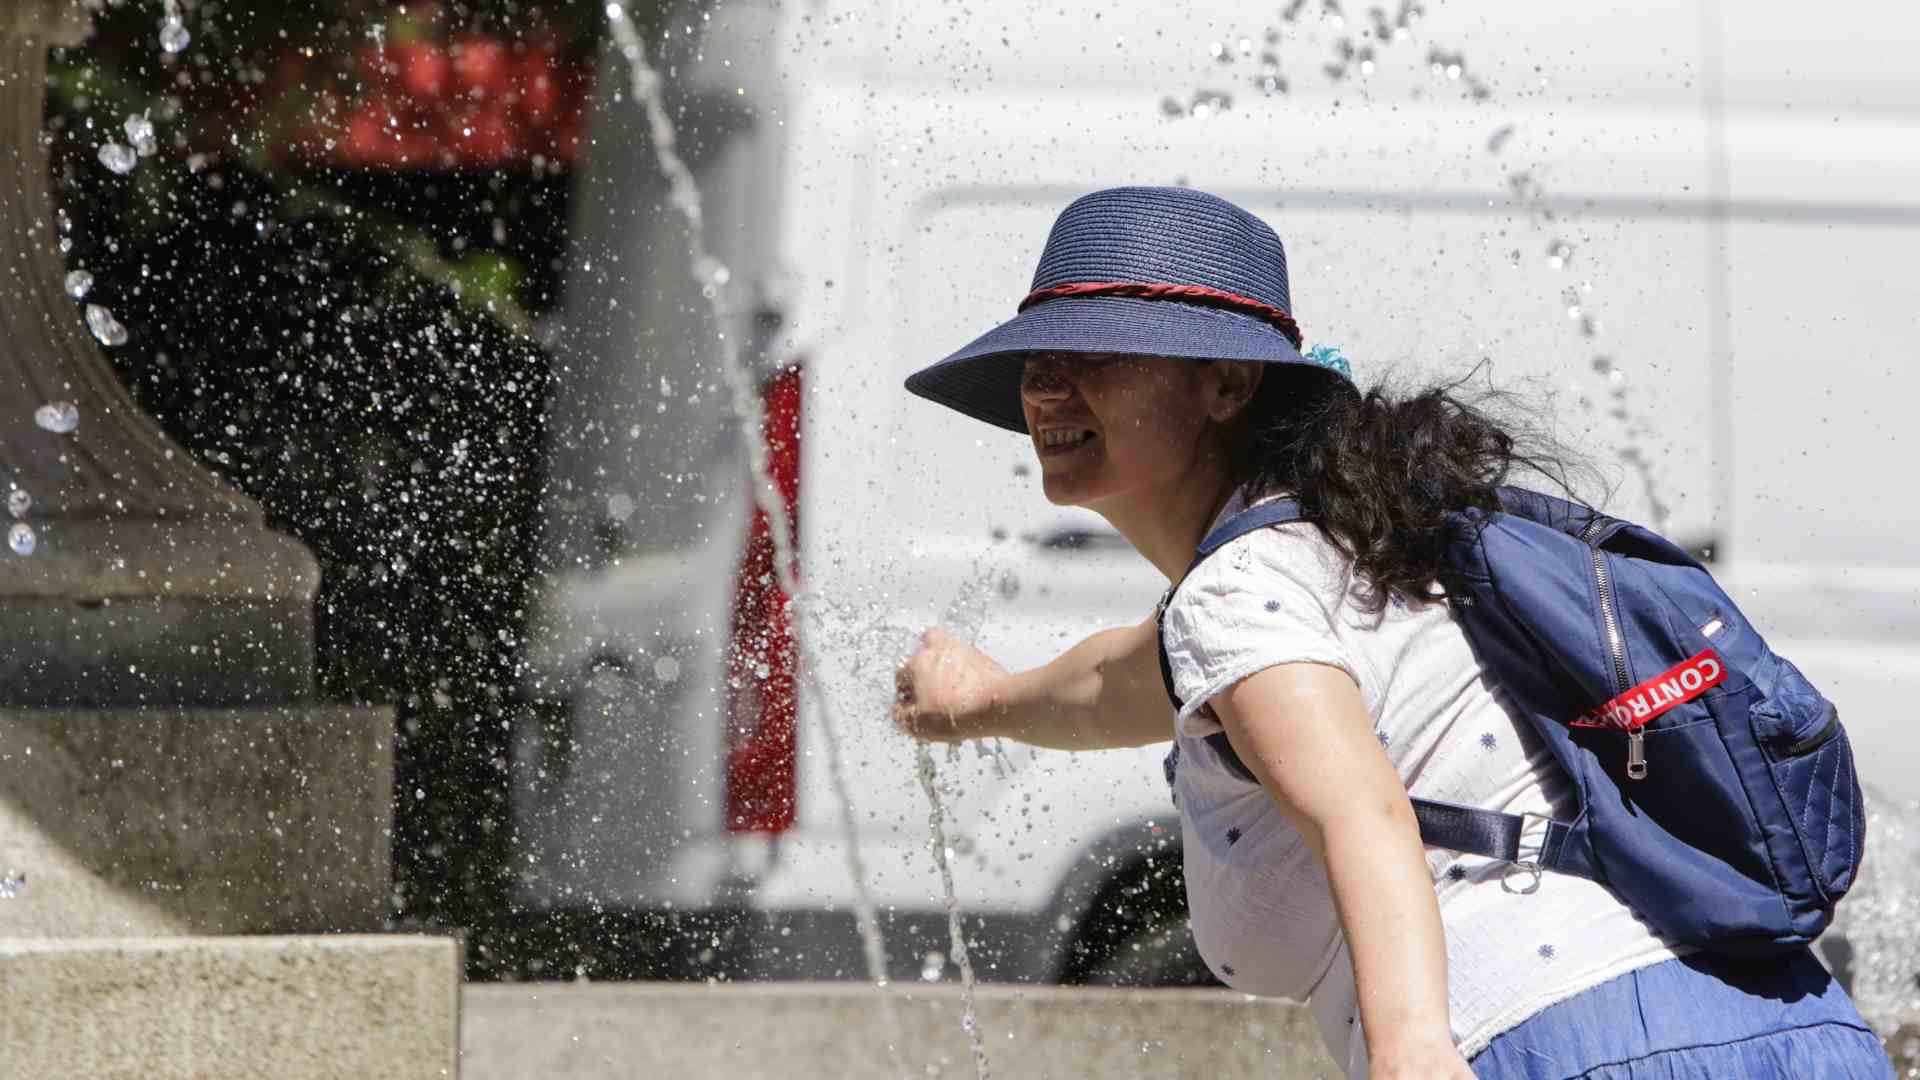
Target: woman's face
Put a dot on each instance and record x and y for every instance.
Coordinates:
(1110, 427)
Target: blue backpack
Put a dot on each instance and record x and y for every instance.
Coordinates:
(1716, 788)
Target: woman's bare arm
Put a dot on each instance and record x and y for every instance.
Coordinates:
(1304, 731)
(1104, 692)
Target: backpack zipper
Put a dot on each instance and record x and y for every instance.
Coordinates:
(1616, 645)
(1819, 738)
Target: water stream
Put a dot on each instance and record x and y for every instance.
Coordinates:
(957, 941)
(684, 194)
(963, 617)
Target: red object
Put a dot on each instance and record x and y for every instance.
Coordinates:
(364, 142)
(484, 136)
(762, 695)
(1192, 294)
(421, 105)
(425, 70)
(376, 69)
(539, 94)
(538, 82)
(415, 150)
(480, 66)
(1676, 686)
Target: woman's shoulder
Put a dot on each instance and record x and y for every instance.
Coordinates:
(1296, 554)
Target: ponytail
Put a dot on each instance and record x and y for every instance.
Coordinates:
(1381, 474)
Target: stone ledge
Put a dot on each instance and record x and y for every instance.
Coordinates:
(292, 1008)
(779, 1031)
(140, 822)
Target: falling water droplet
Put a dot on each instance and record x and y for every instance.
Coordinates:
(140, 135)
(19, 502)
(666, 669)
(21, 538)
(79, 283)
(105, 327)
(59, 417)
(931, 965)
(173, 34)
(12, 885)
(118, 158)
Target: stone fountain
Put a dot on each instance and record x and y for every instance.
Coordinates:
(165, 773)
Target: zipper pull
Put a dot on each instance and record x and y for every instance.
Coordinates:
(1636, 755)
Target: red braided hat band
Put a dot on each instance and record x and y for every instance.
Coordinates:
(1190, 294)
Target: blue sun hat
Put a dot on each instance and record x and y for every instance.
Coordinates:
(1140, 271)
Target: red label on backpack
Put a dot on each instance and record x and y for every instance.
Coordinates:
(1676, 686)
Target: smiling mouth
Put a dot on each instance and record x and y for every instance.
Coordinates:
(1061, 440)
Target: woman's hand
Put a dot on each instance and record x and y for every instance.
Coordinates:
(944, 691)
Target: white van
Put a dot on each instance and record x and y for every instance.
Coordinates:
(1682, 229)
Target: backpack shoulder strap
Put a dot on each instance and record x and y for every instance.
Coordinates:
(1265, 515)
(1466, 829)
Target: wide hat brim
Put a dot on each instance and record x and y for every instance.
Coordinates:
(982, 379)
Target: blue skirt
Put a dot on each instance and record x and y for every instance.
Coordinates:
(1699, 1017)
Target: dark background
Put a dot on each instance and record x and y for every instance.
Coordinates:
(353, 345)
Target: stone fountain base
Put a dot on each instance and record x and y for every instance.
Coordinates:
(138, 822)
(189, 1008)
(778, 1031)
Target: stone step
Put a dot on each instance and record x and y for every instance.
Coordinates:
(347, 1007)
(783, 1031)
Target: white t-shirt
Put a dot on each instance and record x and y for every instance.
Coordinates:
(1262, 910)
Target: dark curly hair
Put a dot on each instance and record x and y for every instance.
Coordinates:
(1380, 473)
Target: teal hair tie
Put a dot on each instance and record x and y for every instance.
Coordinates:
(1329, 357)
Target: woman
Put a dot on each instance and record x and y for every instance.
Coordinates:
(1158, 371)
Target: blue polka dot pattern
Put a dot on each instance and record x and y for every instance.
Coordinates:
(1487, 740)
